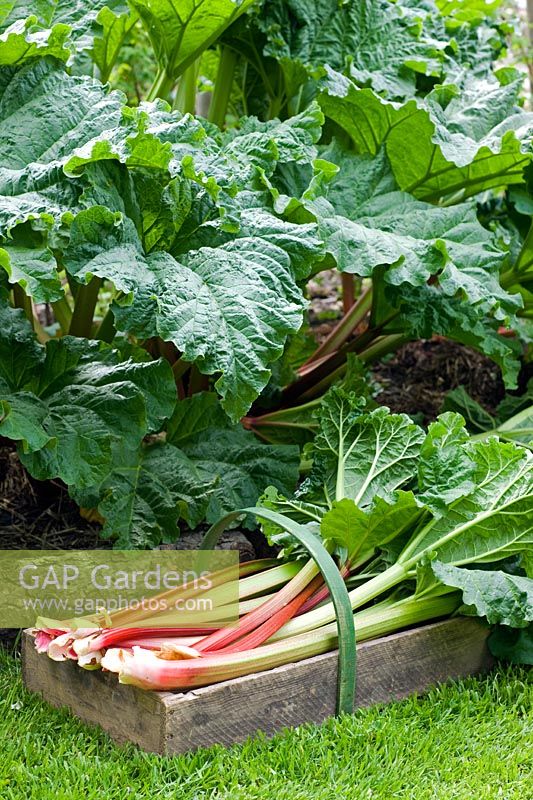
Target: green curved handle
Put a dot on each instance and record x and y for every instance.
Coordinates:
(337, 588)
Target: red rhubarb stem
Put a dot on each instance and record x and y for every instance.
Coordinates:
(225, 636)
(267, 629)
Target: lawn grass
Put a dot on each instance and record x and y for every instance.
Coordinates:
(471, 740)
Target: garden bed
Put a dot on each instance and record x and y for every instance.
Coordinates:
(391, 667)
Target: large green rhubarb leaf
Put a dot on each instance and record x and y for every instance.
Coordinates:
(44, 115)
(501, 598)
(457, 141)
(180, 30)
(376, 41)
(240, 463)
(70, 404)
(77, 17)
(368, 223)
(34, 269)
(465, 143)
(24, 39)
(52, 125)
(149, 491)
(228, 309)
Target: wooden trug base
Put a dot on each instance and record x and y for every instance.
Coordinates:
(166, 722)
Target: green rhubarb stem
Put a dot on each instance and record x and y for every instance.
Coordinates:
(509, 278)
(344, 329)
(358, 597)
(22, 301)
(223, 85)
(185, 100)
(161, 87)
(383, 346)
(62, 313)
(82, 317)
(107, 331)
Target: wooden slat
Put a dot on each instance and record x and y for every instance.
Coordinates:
(388, 668)
(126, 713)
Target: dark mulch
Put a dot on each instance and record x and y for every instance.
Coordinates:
(39, 515)
(416, 379)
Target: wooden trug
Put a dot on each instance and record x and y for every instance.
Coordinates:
(166, 722)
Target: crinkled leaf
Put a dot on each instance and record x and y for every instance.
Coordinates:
(86, 401)
(148, 492)
(44, 115)
(34, 269)
(375, 40)
(457, 141)
(295, 138)
(501, 598)
(78, 16)
(477, 140)
(445, 471)
(227, 309)
(25, 39)
(368, 223)
(241, 465)
(105, 244)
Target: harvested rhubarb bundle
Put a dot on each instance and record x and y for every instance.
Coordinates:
(419, 523)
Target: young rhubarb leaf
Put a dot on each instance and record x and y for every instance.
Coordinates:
(446, 470)
(491, 523)
(360, 533)
(358, 455)
(115, 27)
